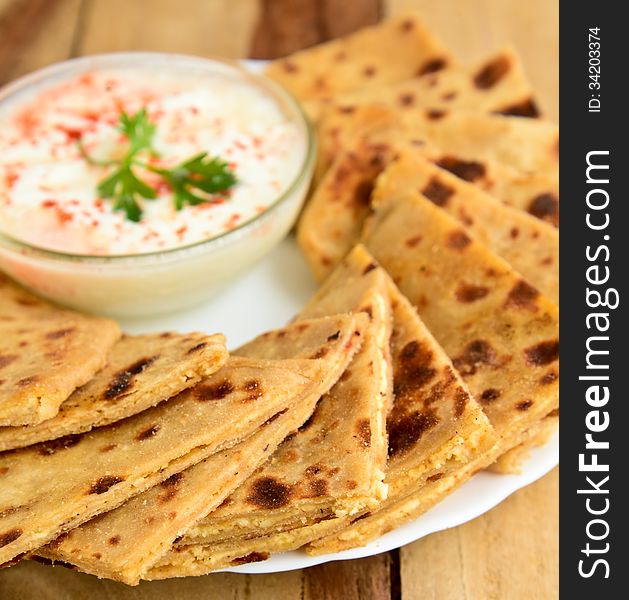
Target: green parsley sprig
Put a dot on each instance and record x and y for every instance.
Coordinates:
(194, 181)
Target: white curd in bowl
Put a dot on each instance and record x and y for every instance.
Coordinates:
(61, 237)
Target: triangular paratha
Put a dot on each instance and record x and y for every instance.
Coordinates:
(434, 427)
(108, 465)
(46, 352)
(391, 51)
(330, 343)
(141, 371)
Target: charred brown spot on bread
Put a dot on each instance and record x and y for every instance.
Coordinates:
(147, 433)
(253, 388)
(166, 334)
(370, 267)
(196, 348)
(414, 368)
(432, 66)
(268, 492)
(435, 477)
(406, 99)
(435, 114)
(467, 170)
(476, 354)
(123, 379)
(552, 413)
(413, 241)
(468, 292)
(406, 429)
(437, 192)
(215, 391)
(460, 401)
(448, 96)
(8, 537)
(369, 71)
(173, 480)
(545, 207)
(347, 110)
(334, 336)
(4, 470)
(320, 353)
(514, 232)
(316, 488)
(108, 447)
(10, 510)
(524, 404)
(102, 485)
(489, 395)
(526, 108)
(289, 66)
(458, 239)
(363, 191)
(360, 517)
(59, 540)
(549, 378)
(27, 301)
(491, 73)
(114, 540)
(363, 433)
(52, 446)
(543, 353)
(59, 333)
(250, 558)
(171, 486)
(314, 470)
(26, 381)
(97, 555)
(7, 359)
(407, 25)
(522, 295)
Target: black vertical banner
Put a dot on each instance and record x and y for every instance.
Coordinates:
(594, 48)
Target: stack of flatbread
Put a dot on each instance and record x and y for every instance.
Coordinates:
(429, 352)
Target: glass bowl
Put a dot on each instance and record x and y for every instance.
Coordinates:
(172, 279)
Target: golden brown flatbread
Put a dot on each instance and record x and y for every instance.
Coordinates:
(497, 85)
(501, 334)
(190, 494)
(305, 481)
(529, 245)
(46, 352)
(513, 158)
(107, 466)
(391, 51)
(434, 427)
(124, 542)
(141, 371)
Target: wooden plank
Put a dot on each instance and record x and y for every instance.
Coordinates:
(362, 579)
(474, 29)
(219, 27)
(35, 33)
(286, 26)
(511, 552)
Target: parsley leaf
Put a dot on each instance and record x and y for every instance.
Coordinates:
(194, 181)
(197, 174)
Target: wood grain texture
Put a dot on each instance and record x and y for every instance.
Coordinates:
(216, 27)
(365, 579)
(35, 33)
(285, 26)
(511, 552)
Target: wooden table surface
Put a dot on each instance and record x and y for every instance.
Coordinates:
(510, 552)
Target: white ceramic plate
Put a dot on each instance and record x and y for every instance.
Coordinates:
(266, 297)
